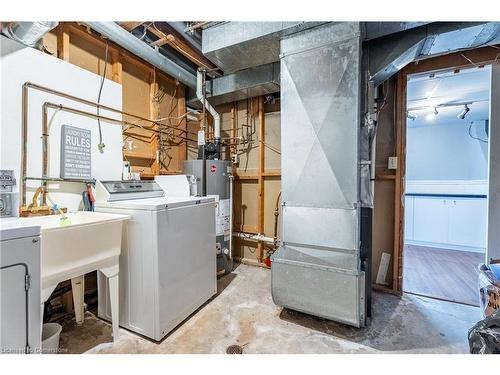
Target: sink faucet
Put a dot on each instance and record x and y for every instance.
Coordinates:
(34, 202)
(34, 208)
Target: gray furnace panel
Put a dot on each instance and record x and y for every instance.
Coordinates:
(318, 268)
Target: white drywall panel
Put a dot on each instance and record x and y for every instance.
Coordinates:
(20, 64)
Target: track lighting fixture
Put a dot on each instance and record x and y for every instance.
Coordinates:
(431, 115)
(464, 112)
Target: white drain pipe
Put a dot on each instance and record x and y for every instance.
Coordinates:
(206, 104)
(255, 237)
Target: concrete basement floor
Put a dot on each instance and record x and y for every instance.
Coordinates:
(244, 314)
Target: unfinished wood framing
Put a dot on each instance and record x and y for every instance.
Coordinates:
(182, 114)
(116, 66)
(79, 45)
(169, 36)
(155, 148)
(63, 43)
(399, 181)
(258, 174)
(260, 194)
(129, 26)
(257, 179)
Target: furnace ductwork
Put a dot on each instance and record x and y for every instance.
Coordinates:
(27, 33)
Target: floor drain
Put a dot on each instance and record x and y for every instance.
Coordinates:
(234, 349)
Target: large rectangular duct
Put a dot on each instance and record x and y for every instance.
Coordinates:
(247, 83)
(392, 52)
(234, 46)
(318, 270)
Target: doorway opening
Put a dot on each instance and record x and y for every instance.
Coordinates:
(446, 182)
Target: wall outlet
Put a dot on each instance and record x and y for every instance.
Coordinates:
(393, 162)
(235, 159)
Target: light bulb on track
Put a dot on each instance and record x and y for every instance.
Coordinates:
(411, 116)
(464, 112)
(432, 115)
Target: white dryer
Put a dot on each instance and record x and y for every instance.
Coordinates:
(168, 258)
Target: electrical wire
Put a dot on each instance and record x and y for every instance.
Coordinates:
(479, 64)
(101, 144)
(145, 30)
(477, 138)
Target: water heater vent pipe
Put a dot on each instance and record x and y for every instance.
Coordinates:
(206, 104)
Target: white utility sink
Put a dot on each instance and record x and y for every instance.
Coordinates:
(84, 242)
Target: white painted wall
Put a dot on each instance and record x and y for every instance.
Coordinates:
(19, 64)
(446, 152)
(493, 248)
(443, 159)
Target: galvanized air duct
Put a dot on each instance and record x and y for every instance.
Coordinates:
(27, 33)
(123, 38)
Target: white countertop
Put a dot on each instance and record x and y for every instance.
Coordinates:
(155, 203)
(447, 187)
(15, 227)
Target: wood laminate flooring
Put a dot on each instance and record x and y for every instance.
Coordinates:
(450, 275)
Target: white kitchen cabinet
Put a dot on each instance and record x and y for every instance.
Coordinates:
(449, 222)
(409, 209)
(430, 219)
(468, 222)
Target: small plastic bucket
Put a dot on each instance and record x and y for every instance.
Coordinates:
(50, 338)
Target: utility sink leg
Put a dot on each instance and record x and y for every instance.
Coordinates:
(78, 287)
(113, 296)
(112, 273)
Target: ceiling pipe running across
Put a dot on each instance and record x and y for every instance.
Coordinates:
(180, 27)
(123, 38)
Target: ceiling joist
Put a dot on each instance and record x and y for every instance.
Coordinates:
(167, 35)
(129, 26)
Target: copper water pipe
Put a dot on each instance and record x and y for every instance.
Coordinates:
(76, 111)
(31, 85)
(45, 137)
(198, 25)
(24, 120)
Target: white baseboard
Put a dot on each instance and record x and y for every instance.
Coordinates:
(446, 246)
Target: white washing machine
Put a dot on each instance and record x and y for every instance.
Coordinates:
(20, 310)
(168, 258)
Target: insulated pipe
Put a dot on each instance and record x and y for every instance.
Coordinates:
(28, 33)
(123, 38)
(206, 104)
(255, 237)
